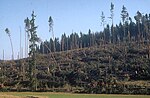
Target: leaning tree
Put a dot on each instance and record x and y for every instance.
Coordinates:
(8, 33)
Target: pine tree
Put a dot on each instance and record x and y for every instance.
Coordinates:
(107, 33)
(31, 29)
(103, 24)
(138, 18)
(51, 24)
(112, 18)
(124, 16)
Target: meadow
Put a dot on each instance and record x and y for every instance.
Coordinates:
(64, 95)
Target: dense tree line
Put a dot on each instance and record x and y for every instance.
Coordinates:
(128, 31)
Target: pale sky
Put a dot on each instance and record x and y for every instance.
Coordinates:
(68, 16)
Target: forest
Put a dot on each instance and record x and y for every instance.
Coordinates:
(128, 31)
(113, 61)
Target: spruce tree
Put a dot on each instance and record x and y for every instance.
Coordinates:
(31, 29)
(51, 24)
(103, 24)
(138, 18)
(124, 16)
(112, 18)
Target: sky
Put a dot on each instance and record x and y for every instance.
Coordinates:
(68, 16)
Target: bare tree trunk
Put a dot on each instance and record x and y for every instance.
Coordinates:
(12, 48)
(43, 50)
(20, 43)
(25, 45)
(22, 51)
(53, 40)
(3, 55)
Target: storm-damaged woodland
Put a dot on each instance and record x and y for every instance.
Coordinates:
(115, 60)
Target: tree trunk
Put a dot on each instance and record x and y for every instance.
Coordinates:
(12, 48)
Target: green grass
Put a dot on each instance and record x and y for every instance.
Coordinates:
(69, 95)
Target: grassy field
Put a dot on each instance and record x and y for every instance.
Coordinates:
(65, 95)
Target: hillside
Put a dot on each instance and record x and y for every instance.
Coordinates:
(99, 69)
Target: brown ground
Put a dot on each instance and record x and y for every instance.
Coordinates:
(11, 96)
(8, 96)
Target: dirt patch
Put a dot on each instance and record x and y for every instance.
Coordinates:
(8, 96)
(11, 96)
(35, 97)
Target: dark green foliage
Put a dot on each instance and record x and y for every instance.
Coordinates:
(50, 24)
(131, 34)
(125, 18)
(31, 29)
